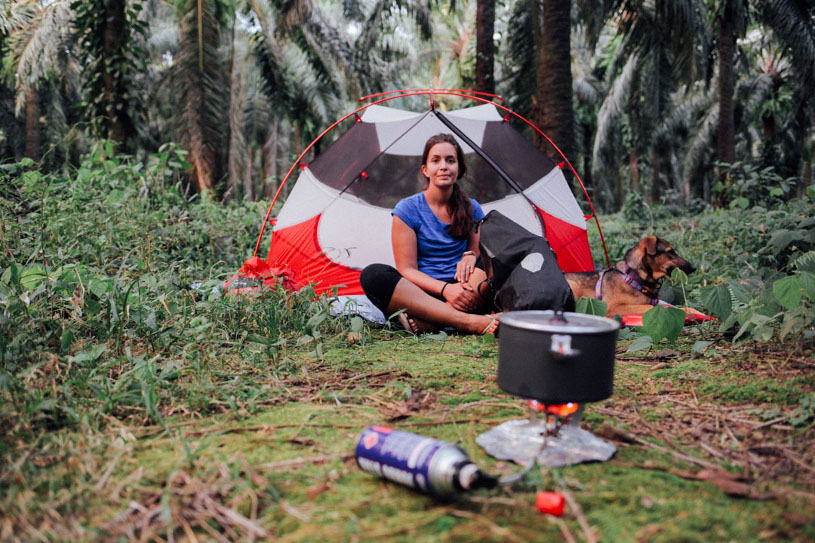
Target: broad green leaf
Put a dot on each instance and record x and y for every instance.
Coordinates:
(762, 334)
(738, 292)
(99, 287)
(32, 277)
(782, 238)
(700, 346)
(89, 355)
(663, 322)
(808, 284)
(590, 306)
(776, 192)
(755, 321)
(441, 335)
(642, 343)
(811, 192)
(678, 276)
(716, 299)
(741, 203)
(792, 323)
(788, 291)
(65, 341)
(356, 324)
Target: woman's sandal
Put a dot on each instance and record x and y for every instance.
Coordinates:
(408, 323)
(493, 319)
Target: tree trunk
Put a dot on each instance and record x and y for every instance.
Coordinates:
(726, 145)
(686, 189)
(270, 162)
(235, 160)
(485, 46)
(554, 109)
(656, 187)
(118, 122)
(32, 124)
(200, 87)
(634, 169)
(248, 185)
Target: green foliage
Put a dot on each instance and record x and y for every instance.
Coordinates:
(756, 263)
(663, 322)
(110, 32)
(590, 306)
(747, 185)
(99, 313)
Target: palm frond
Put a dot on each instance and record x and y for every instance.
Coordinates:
(37, 47)
(198, 85)
(16, 15)
(794, 24)
(702, 143)
(612, 108)
(520, 66)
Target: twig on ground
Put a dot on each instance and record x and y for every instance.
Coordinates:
(567, 534)
(301, 461)
(581, 518)
(631, 438)
(497, 530)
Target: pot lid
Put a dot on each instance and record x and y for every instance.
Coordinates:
(546, 321)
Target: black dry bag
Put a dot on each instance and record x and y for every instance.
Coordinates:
(522, 267)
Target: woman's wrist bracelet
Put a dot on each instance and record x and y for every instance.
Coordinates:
(442, 290)
(468, 253)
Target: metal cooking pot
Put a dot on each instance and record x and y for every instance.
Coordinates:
(556, 357)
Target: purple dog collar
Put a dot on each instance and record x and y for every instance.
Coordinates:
(653, 294)
(631, 281)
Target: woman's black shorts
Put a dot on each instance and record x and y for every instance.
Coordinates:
(379, 281)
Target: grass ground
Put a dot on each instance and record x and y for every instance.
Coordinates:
(136, 407)
(697, 458)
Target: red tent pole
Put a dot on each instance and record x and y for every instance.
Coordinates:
(468, 92)
(445, 92)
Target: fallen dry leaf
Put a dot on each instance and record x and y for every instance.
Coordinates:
(316, 490)
(647, 532)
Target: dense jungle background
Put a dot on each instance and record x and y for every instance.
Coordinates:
(140, 145)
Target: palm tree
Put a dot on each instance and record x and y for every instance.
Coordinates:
(792, 23)
(555, 115)
(661, 49)
(106, 30)
(485, 46)
(198, 83)
(40, 44)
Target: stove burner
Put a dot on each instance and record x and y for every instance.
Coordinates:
(553, 440)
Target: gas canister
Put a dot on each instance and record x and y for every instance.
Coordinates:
(422, 463)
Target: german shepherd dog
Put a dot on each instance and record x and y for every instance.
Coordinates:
(631, 287)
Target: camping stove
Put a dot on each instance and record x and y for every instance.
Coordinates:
(550, 436)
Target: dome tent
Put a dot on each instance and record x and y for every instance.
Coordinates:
(337, 218)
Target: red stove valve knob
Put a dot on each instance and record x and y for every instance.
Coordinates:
(550, 503)
(560, 410)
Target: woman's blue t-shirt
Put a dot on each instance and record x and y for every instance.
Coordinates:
(436, 252)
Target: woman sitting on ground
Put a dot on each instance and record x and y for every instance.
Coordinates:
(436, 280)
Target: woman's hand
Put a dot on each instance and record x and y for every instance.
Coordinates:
(461, 296)
(465, 268)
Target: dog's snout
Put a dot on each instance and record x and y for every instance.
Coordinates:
(687, 267)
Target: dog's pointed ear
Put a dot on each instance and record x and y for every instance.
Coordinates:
(651, 245)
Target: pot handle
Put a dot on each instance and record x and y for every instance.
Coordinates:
(561, 346)
(559, 316)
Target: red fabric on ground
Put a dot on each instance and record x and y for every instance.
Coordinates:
(298, 248)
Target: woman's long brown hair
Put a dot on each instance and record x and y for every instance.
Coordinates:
(458, 206)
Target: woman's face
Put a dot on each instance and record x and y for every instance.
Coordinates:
(442, 165)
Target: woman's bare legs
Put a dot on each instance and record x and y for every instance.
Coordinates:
(429, 313)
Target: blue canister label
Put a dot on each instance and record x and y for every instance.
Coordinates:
(398, 456)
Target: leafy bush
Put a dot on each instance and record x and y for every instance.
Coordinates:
(97, 312)
(754, 262)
